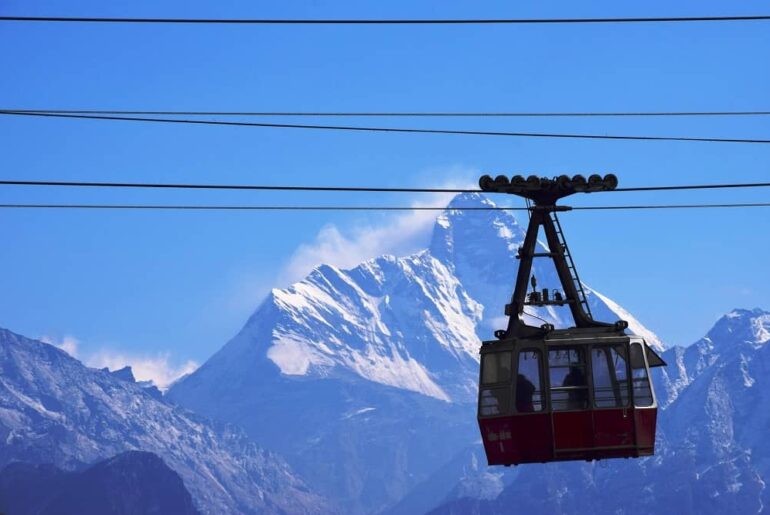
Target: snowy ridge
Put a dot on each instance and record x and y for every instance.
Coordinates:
(740, 332)
(386, 320)
(759, 325)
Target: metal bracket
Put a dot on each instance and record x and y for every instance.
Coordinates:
(544, 192)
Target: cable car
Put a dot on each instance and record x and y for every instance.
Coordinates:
(546, 394)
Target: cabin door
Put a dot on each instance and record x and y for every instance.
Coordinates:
(645, 412)
(613, 415)
(571, 421)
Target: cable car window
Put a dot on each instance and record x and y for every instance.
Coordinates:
(528, 385)
(610, 376)
(567, 372)
(495, 401)
(496, 368)
(640, 378)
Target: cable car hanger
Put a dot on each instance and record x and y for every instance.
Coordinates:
(546, 394)
(544, 193)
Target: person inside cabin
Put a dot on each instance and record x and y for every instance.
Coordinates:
(525, 390)
(578, 394)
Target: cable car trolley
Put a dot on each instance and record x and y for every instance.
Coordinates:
(547, 394)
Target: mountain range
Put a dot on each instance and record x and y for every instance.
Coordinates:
(353, 391)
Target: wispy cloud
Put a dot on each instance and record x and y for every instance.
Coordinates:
(158, 368)
(68, 344)
(397, 234)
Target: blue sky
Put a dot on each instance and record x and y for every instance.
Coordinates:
(178, 285)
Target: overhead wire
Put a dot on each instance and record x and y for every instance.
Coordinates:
(257, 187)
(464, 21)
(396, 114)
(391, 129)
(346, 189)
(267, 187)
(199, 207)
(696, 187)
(671, 206)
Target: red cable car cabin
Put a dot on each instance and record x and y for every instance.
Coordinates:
(582, 393)
(566, 398)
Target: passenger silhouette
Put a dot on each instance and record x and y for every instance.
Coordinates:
(577, 398)
(525, 390)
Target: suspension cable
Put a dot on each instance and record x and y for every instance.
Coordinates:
(391, 129)
(263, 187)
(395, 114)
(198, 207)
(466, 21)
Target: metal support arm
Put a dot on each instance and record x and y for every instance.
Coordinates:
(544, 193)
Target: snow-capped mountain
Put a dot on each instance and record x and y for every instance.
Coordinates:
(712, 454)
(385, 353)
(54, 410)
(413, 322)
(739, 332)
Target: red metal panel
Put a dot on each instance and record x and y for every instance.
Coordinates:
(528, 438)
(532, 434)
(498, 445)
(646, 419)
(572, 430)
(517, 439)
(613, 427)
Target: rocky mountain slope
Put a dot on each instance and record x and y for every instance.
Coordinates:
(54, 410)
(134, 482)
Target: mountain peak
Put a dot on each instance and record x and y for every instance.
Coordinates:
(488, 235)
(746, 313)
(463, 200)
(126, 374)
(750, 326)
